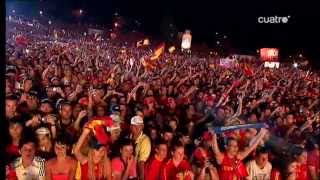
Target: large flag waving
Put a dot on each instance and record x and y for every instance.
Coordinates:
(157, 53)
(247, 70)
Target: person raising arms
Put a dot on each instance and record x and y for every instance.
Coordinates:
(231, 166)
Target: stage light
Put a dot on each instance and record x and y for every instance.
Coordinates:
(49, 22)
(300, 55)
(295, 65)
(40, 12)
(13, 11)
(81, 11)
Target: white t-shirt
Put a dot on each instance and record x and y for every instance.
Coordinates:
(256, 173)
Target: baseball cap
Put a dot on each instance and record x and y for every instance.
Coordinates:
(115, 118)
(115, 109)
(33, 93)
(84, 101)
(136, 120)
(43, 131)
(54, 78)
(45, 100)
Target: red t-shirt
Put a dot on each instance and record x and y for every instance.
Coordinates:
(314, 160)
(153, 169)
(232, 169)
(170, 171)
(302, 172)
(85, 171)
(12, 151)
(275, 175)
(118, 165)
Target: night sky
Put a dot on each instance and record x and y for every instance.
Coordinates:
(235, 19)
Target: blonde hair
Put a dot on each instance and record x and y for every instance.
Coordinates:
(103, 169)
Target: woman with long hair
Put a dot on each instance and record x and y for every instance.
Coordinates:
(96, 164)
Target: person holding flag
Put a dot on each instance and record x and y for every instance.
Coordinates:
(96, 165)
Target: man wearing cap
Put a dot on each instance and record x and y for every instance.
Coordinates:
(142, 142)
(46, 106)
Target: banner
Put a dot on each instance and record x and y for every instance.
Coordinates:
(227, 62)
(269, 54)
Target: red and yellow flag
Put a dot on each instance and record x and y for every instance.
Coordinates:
(157, 53)
(148, 64)
(247, 70)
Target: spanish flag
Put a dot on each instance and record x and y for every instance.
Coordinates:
(97, 126)
(157, 53)
(247, 70)
(148, 64)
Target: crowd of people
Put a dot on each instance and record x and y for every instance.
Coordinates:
(78, 108)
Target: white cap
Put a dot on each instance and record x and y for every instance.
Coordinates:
(115, 118)
(42, 131)
(136, 120)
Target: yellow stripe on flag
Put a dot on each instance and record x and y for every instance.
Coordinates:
(157, 53)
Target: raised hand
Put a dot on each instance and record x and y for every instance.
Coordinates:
(82, 114)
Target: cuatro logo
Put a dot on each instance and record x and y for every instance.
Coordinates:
(273, 19)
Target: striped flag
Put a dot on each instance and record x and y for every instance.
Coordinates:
(157, 53)
(247, 70)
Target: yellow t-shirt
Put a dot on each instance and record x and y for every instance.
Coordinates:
(143, 148)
